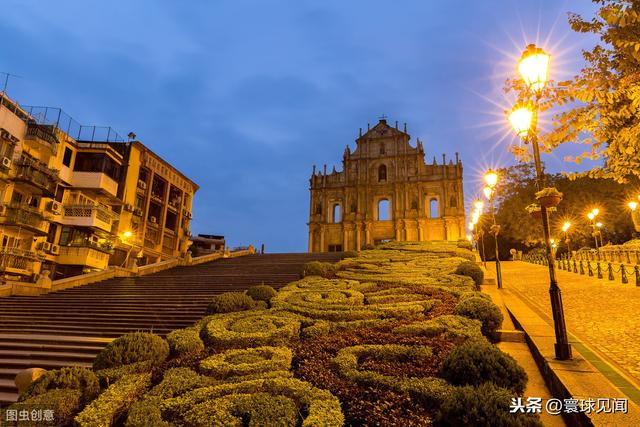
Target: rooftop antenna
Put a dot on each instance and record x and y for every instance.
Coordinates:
(131, 136)
(6, 80)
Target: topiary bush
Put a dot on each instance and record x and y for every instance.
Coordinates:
(229, 302)
(317, 268)
(261, 293)
(484, 406)
(251, 361)
(452, 326)
(464, 244)
(146, 413)
(113, 402)
(74, 378)
(350, 254)
(184, 342)
(483, 310)
(471, 269)
(132, 348)
(64, 402)
(177, 381)
(478, 361)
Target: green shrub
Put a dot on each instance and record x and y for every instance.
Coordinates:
(146, 413)
(317, 407)
(261, 293)
(250, 329)
(483, 310)
(177, 381)
(132, 348)
(471, 269)
(452, 326)
(236, 363)
(485, 406)
(73, 377)
(368, 247)
(229, 302)
(428, 390)
(317, 268)
(185, 342)
(113, 402)
(350, 254)
(466, 295)
(64, 402)
(478, 361)
(110, 375)
(464, 244)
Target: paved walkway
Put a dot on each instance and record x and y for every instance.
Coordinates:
(603, 315)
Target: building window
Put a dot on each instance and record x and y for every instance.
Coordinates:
(384, 210)
(453, 202)
(433, 208)
(335, 248)
(96, 162)
(66, 159)
(337, 214)
(382, 150)
(382, 173)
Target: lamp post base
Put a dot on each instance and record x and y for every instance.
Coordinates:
(563, 351)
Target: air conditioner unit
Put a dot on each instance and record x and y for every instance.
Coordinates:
(128, 207)
(44, 246)
(137, 212)
(55, 250)
(55, 207)
(6, 162)
(153, 219)
(142, 184)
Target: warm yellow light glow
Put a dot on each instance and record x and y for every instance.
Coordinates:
(590, 215)
(632, 205)
(491, 178)
(478, 204)
(595, 211)
(487, 192)
(552, 241)
(469, 237)
(127, 234)
(475, 217)
(599, 224)
(521, 117)
(566, 226)
(534, 67)
(471, 226)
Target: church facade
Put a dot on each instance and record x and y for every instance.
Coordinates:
(385, 191)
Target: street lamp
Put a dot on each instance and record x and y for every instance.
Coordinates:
(592, 217)
(491, 179)
(534, 69)
(565, 228)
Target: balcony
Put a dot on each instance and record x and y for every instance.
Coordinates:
(37, 175)
(94, 216)
(99, 181)
(87, 255)
(18, 261)
(44, 133)
(24, 216)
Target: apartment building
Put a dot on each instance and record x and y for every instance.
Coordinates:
(76, 199)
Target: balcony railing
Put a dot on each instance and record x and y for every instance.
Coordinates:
(45, 133)
(38, 174)
(18, 260)
(84, 255)
(24, 216)
(89, 216)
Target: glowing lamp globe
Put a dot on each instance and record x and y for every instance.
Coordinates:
(520, 118)
(534, 67)
(478, 204)
(491, 178)
(590, 215)
(487, 192)
(632, 205)
(566, 226)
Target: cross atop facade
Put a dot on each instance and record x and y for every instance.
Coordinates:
(383, 117)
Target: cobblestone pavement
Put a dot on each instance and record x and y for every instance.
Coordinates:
(604, 315)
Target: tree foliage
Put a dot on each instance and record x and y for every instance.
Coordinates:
(600, 107)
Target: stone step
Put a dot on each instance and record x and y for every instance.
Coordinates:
(38, 346)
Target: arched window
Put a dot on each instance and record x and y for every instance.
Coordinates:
(433, 208)
(384, 210)
(453, 202)
(382, 173)
(337, 214)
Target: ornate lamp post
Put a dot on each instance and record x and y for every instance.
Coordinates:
(534, 69)
(635, 217)
(592, 217)
(491, 179)
(565, 229)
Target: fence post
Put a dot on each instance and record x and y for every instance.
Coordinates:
(575, 268)
(628, 257)
(599, 268)
(623, 274)
(581, 268)
(636, 270)
(610, 268)
(589, 268)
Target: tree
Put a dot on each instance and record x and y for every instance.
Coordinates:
(516, 189)
(604, 99)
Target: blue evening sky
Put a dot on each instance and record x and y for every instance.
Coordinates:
(245, 96)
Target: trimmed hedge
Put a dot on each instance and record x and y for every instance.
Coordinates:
(229, 302)
(252, 361)
(452, 326)
(261, 293)
(110, 375)
(317, 268)
(64, 402)
(250, 329)
(478, 361)
(471, 269)
(483, 310)
(227, 402)
(428, 390)
(74, 377)
(132, 348)
(485, 406)
(146, 413)
(116, 400)
(464, 244)
(177, 381)
(185, 342)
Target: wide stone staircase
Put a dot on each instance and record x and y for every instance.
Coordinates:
(70, 327)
